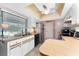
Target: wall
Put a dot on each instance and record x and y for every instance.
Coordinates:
(74, 13)
(58, 28)
(31, 22)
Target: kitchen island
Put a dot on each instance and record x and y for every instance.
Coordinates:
(67, 47)
(18, 46)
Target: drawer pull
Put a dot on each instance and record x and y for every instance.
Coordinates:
(14, 46)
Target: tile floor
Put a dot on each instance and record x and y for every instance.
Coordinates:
(34, 52)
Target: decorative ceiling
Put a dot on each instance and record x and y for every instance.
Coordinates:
(46, 10)
(46, 6)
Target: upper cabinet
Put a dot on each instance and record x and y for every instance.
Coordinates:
(72, 15)
(68, 19)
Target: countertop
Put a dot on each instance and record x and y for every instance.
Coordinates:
(13, 38)
(67, 47)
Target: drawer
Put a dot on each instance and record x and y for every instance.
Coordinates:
(14, 42)
(15, 45)
(25, 41)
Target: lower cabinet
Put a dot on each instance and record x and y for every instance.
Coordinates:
(16, 51)
(25, 48)
(20, 48)
(31, 45)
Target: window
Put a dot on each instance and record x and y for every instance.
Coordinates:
(12, 25)
(0, 24)
(15, 25)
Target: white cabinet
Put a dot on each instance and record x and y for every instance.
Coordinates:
(20, 47)
(16, 51)
(14, 48)
(28, 46)
(25, 48)
(31, 45)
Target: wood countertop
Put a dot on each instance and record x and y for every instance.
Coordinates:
(67, 47)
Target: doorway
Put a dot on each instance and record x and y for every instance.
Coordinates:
(49, 30)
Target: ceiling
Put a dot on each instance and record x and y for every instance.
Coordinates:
(16, 8)
(50, 6)
(34, 9)
(55, 10)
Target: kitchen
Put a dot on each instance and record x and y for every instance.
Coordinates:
(20, 34)
(69, 34)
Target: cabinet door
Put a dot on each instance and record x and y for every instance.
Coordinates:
(31, 45)
(28, 46)
(16, 51)
(25, 48)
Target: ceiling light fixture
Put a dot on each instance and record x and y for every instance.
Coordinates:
(45, 10)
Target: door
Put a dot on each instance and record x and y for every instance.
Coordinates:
(48, 30)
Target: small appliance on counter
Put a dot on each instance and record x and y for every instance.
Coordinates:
(65, 31)
(72, 33)
(76, 35)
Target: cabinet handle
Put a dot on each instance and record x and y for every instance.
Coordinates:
(15, 45)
